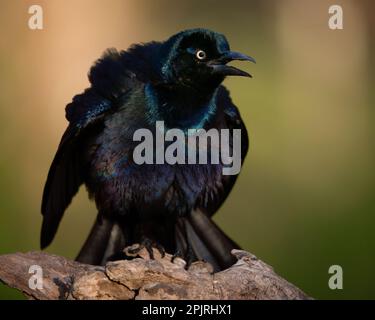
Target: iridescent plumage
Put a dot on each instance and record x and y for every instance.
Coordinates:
(169, 204)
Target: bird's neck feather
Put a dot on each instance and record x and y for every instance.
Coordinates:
(180, 107)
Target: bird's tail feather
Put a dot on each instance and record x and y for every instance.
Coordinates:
(197, 237)
(105, 240)
(206, 240)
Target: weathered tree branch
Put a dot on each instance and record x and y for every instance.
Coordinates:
(143, 278)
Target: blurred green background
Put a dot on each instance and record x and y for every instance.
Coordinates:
(305, 198)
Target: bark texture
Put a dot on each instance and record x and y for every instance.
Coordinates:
(144, 278)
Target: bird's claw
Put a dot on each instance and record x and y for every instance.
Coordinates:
(148, 245)
(177, 254)
(188, 257)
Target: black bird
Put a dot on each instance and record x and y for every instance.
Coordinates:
(177, 81)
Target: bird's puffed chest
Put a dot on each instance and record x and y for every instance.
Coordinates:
(123, 185)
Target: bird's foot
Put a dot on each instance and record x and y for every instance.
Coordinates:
(177, 254)
(148, 245)
(188, 257)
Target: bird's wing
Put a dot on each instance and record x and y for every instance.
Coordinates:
(233, 120)
(110, 84)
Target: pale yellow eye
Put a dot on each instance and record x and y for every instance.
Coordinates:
(201, 55)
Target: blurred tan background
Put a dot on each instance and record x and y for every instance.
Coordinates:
(305, 198)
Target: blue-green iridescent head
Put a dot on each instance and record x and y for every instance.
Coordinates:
(199, 57)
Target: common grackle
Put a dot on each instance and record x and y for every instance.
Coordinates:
(177, 81)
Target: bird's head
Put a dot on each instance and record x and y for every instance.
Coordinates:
(199, 58)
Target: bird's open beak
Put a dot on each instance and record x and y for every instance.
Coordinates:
(220, 66)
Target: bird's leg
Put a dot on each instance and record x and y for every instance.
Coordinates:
(189, 256)
(187, 252)
(160, 248)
